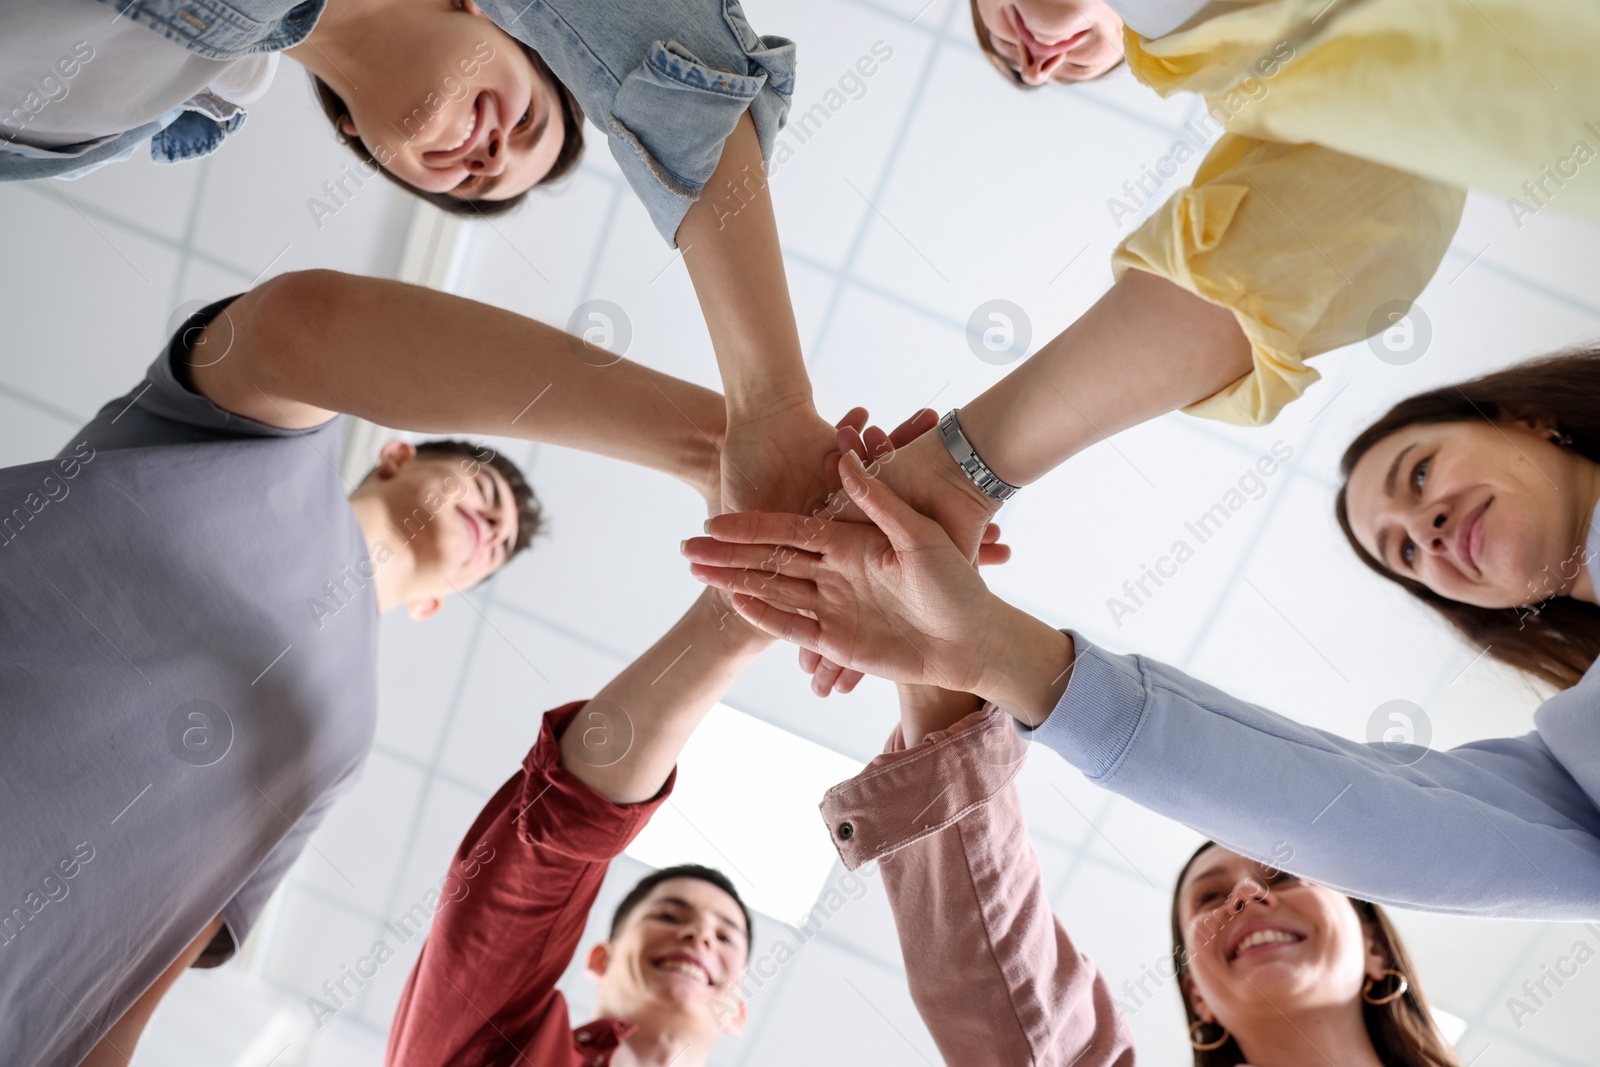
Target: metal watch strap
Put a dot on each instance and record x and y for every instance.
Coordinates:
(972, 465)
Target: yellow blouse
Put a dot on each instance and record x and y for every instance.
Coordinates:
(1353, 128)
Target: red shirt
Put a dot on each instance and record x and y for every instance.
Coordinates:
(483, 994)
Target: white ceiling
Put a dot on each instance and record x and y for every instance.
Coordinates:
(936, 190)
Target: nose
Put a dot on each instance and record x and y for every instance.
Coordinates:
(489, 159)
(1036, 68)
(1426, 527)
(1248, 891)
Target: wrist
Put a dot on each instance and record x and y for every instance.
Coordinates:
(928, 454)
(722, 624)
(1031, 667)
(702, 465)
(926, 709)
(757, 401)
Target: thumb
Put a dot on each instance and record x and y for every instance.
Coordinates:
(897, 519)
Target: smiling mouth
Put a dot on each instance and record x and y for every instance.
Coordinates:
(685, 967)
(1263, 941)
(1469, 541)
(1040, 48)
(476, 527)
(469, 135)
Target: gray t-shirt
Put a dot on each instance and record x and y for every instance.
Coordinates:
(188, 649)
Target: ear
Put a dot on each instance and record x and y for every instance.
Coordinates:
(347, 126)
(1195, 1000)
(1377, 956)
(731, 1023)
(423, 608)
(469, 7)
(599, 960)
(394, 455)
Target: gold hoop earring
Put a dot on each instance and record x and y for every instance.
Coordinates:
(1402, 985)
(1218, 1043)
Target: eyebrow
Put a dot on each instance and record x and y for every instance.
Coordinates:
(494, 491)
(1388, 490)
(680, 902)
(1394, 470)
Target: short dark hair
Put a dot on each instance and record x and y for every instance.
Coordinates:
(637, 894)
(566, 162)
(530, 516)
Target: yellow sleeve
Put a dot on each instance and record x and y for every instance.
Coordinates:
(1303, 244)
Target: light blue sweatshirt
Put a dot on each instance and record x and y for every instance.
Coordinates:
(1508, 827)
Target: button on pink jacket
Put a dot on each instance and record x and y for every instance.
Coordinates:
(991, 969)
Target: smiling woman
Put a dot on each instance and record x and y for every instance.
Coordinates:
(1478, 499)
(1257, 952)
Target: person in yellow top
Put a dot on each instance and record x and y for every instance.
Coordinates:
(1342, 134)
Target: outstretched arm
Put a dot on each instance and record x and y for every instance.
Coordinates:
(626, 740)
(776, 441)
(512, 906)
(1274, 254)
(991, 969)
(303, 346)
(1493, 828)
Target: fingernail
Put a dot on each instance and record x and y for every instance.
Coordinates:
(683, 547)
(707, 526)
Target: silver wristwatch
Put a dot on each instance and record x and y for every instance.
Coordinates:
(972, 465)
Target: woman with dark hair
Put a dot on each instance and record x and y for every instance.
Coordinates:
(1479, 498)
(1273, 971)
(1339, 139)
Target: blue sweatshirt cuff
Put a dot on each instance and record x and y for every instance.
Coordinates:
(1097, 717)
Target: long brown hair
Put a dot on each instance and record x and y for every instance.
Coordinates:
(566, 161)
(1403, 1032)
(1558, 639)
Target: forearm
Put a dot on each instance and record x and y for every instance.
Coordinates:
(1497, 828)
(990, 968)
(730, 245)
(431, 362)
(626, 741)
(1145, 348)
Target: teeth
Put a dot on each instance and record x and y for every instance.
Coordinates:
(472, 127)
(685, 967)
(1264, 937)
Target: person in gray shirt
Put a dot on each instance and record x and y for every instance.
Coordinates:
(189, 600)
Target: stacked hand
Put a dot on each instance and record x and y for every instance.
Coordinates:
(772, 463)
(894, 597)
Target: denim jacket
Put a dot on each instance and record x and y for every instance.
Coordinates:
(667, 80)
(216, 29)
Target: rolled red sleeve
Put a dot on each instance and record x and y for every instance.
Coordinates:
(511, 910)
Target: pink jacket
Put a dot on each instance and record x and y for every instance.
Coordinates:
(991, 969)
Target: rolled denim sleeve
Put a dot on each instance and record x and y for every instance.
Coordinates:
(674, 111)
(1495, 828)
(667, 80)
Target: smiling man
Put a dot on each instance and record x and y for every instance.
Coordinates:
(189, 602)
(484, 990)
